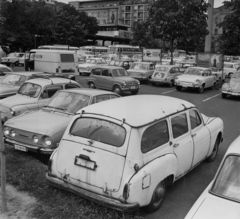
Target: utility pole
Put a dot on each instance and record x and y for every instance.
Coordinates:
(208, 38)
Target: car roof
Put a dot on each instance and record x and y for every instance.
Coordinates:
(234, 147)
(46, 81)
(109, 67)
(89, 91)
(139, 110)
(168, 66)
(25, 73)
(54, 51)
(201, 68)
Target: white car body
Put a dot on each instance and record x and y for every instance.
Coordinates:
(211, 205)
(12, 58)
(89, 64)
(197, 78)
(230, 68)
(141, 148)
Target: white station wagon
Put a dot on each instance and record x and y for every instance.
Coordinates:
(124, 154)
(221, 199)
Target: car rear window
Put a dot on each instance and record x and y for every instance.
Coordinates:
(99, 130)
(67, 57)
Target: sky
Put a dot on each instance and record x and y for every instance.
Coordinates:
(217, 3)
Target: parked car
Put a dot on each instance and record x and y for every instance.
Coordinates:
(113, 78)
(197, 78)
(23, 134)
(183, 65)
(21, 61)
(10, 83)
(219, 73)
(144, 142)
(89, 64)
(221, 199)
(124, 63)
(4, 70)
(12, 58)
(137, 57)
(33, 95)
(165, 62)
(165, 74)
(230, 68)
(232, 88)
(141, 70)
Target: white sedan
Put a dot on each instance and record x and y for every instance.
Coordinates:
(89, 64)
(197, 78)
(221, 199)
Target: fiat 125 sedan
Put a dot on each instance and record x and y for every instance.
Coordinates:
(144, 150)
(197, 78)
(221, 199)
(23, 134)
(232, 88)
(33, 95)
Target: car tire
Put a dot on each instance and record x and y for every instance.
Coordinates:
(91, 85)
(157, 197)
(171, 83)
(224, 96)
(117, 90)
(201, 89)
(134, 92)
(214, 153)
(178, 88)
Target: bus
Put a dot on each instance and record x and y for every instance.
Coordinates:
(96, 50)
(59, 47)
(121, 50)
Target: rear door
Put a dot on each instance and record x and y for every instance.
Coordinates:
(94, 153)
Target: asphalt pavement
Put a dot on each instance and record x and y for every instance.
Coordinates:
(182, 195)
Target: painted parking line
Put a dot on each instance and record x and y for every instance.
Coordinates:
(168, 91)
(211, 97)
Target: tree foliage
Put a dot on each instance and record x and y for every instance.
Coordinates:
(24, 24)
(229, 40)
(179, 22)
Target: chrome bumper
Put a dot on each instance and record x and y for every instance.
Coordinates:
(102, 200)
(231, 93)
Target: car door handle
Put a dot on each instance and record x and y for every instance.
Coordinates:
(193, 135)
(176, 144)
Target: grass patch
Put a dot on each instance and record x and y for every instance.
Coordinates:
(28, 174)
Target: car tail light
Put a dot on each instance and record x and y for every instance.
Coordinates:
(126, 191)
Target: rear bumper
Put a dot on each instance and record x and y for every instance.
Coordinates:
(102, 200)
(231, 93)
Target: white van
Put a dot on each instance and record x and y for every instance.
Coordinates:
(54, 61)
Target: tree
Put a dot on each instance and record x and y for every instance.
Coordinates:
(229, 40)
(71, 26)
(179, 22)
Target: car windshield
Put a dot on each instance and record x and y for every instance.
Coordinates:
(164, 69)
(227, 183)
(193, 71)
(68, 102)
(29, 89)
(119, 72)
(15, 80)
(139, 66)
(99, 130)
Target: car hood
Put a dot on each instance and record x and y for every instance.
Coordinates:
(126, 79)
(139, 70)
(17, 100)
(85, 65)
(7, 88)
(190, 78)
(235, 84)
(217, 208)
(40, 121)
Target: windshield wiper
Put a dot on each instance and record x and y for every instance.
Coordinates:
(63, 109)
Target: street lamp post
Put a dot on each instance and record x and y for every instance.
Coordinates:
(35, 40)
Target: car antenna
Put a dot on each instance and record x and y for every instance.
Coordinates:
(123, 121)
(184, 106)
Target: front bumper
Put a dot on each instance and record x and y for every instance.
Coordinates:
(187, 84)
(102, 200)
(25, 147)
(231, 93)
(131, 88)
(155, 80)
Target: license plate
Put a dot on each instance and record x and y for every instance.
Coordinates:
(20, 148)
(133, 87)
(85, 163)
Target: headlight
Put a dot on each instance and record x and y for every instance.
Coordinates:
(12, 133)
(197, 81)
(138, 82)
(225, 87)
(47, 141)
(12, 111)
(124, 83)
(35, 139)
(6, 131)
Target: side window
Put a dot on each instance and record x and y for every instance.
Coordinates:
(105, 72)
(96, 71)
(70, 86)
(195, 119)
(155, 136)
(179, 125)
(101, 98)
(49, 91)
